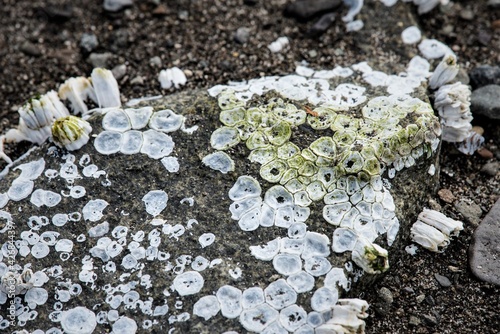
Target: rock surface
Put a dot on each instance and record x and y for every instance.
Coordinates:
(484, 75)
(484, 252)
(484, 101)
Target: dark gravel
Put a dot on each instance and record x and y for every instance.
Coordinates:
(41, 46)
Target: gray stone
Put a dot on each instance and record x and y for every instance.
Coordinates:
(100, 59)
(306, 9)
(491, 168)
(119, 71)
(155, 61)
(495, 4)
(484, 75)
(470, 211)
(442, 280)
(242, 35)
(386, 295)
(430, 319)
(485, 101)
(484, 251)
(414, 321)
(138, 80)
(116, 5)
(89, 42)
(30, 49)
(322, 25)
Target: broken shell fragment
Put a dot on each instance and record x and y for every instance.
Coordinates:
(71, 132)
(370, 257)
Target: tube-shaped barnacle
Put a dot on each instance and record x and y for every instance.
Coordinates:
(105, 88)
(279, 133)
(446, 71)
(71, 132)
(370, 257)
(324, 147)
(77, 90)
(429, 237)
(50, 102)
(446, 225)
(359, 306)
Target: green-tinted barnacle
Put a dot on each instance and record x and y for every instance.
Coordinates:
(388, 156)
(322, 119)
(290, 114)
(324, 147)
(296, 161)
(368, 152)
(231, 117)
(244, 129)
(290, 174)
(376, 259)
(224, 138)
(71, 132)
(309, 155)
(324, 162)
(254, 116)
(263, 155)
(257, 140)
(352, 162)
(404, 149)
(308, 168)
(279, 133)
(294, 185)
(343, 123)
(364, 178)
(411, 130)
(288, 150)
(344, 137)
(429, 136)
(399, 112)
(305, 180)
(372, 166)
(273, 170)
(436, 127)
(227, 100)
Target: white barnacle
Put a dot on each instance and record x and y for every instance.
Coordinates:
(139, 117)
(188, 283)
(206, 239)
(219, 161)
(287, 264)
(125, 325)
(224, 138)
(78, 320)
(116, 120)
(229, 298)
(93, 209)
(252, 297)
(429, 237)
(267, 252)
(432, 49)
(131, 142)
(166, 121)
(343, 240)
(42, 197)
(77, 90)
(445, 72)
(156, 144)
(108, 142)
(279, 294)
(206, 307)
(172, 77)
(301, 282)
(293, 317)
(106, 88)
(446, 225)
(324, 299)
(258, 318)
(411, 35)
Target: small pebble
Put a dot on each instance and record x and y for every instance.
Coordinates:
(470, 211)
(491, 168)
(119, 71)
(89, 42)
(242, 35)
(59, 13)
(386, 295)
(414, 321)
(484, 75)
(429, 300)
(116, 5)
(467, 14)
(30, 49)
(443, 280)
(160, 10)
(420, 298)
(100, 59)
(484, 101)
(430, 319)
(322, 25)
(446, 195)
(138, 80)
(485, 153)
(155, 61)
(409, 289)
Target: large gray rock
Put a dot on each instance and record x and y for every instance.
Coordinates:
(484, 101)
(484, 251)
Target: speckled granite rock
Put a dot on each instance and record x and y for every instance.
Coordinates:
(484, 251)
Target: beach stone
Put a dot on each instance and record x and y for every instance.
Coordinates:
(306, 9)
(484, 101)
(100, 59)
(442, 280)
(484, 251)
(116, 5)
(471, 211)
(30, 49)
(491, 168)
(89, 42)
(242, 35)
(484, 75)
